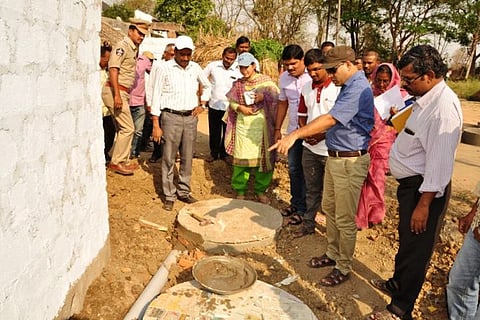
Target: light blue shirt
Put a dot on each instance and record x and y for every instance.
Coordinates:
(353, 111)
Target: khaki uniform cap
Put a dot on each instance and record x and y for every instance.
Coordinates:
(141, 25)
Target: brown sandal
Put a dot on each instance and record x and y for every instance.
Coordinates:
(287, 212)
(294, 220)
(384, 315)
(334, 278)
(303, 232)
(320, 262)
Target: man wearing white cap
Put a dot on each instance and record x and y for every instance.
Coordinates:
(175, 104)
(115, 94)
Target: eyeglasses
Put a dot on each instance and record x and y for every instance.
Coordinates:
(334, 69)
(410, 81)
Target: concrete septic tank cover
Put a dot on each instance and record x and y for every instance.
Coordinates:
(234, 226)
(261, 301)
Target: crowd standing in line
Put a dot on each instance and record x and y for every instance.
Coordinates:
(421, 159)
(291, 83)
(347, 125)
(137, 100)
(222, 74)
(175, 110)
(339, 148)
(371, 206)
(107, 119)
(115, 95)
(168, 54)
(318, 97)
(250, 128)
(464, 279)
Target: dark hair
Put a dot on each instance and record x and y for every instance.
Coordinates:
(228, 50)
(292, 51)
(314, 56)
(384, 69)
(424, 58)
(327, 44)
(106, 47)
(242, 40)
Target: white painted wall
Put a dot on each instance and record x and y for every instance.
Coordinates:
(53, 203)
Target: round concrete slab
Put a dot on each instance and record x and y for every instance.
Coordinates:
(236, 225)
(260, 302)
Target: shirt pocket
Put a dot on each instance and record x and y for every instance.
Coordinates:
(406, 142)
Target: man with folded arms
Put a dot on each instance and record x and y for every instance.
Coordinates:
(347, 126)
(121, 76)
(175, 102)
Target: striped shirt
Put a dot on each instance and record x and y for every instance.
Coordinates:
(176, 88)
(290, 91)
(427, 144)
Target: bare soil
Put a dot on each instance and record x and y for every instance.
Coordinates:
(138, 249)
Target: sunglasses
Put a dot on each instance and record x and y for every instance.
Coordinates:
(334, 69)
(410, 81)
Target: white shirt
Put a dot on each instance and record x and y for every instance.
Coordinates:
(427, 144)
(176, 88)
(221, 80)
(150, 80)
(328, 95)
(290, 89)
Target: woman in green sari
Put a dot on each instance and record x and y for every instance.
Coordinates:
(250, 128)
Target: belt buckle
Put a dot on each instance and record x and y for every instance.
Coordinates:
(337, 154)
(359, 153)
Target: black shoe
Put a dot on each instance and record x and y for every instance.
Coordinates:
(168, 205)
(188, 199)
(211, 158)
(153, 159)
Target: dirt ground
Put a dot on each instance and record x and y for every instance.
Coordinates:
(137, 249)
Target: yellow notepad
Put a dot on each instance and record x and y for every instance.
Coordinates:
(399, 119)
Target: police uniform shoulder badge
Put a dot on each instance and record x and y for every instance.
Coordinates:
(119, 52)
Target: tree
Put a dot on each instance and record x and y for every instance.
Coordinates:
(357, 15)
(146, 6)
(282, 20)
(408, 21)
(464, 27)
(191, 14)
(118, 10)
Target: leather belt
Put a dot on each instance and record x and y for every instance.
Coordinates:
(342, 154)
(184, 113)
(120, 87)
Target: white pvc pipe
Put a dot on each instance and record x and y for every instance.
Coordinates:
(153, 288)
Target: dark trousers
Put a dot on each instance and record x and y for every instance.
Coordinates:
(147, 133)
(313, 170)
(108, 135)
(415, 250)
(216, 128)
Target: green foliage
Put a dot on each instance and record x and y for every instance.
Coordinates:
(191, 14)
(118, 10)
(266, 48)
(466, 88)
(214, 26)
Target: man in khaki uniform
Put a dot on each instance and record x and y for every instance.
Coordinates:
(121, 72)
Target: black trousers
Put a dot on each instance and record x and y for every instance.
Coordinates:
(415, 250)
(216, 128)
(109, 132)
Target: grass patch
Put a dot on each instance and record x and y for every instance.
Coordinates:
(465, 88)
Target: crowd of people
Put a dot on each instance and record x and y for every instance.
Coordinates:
(339, 145)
